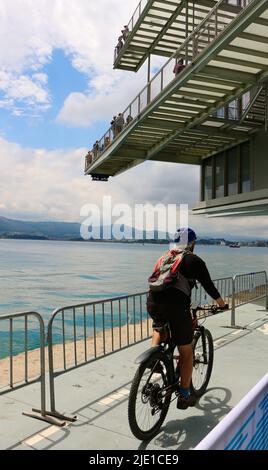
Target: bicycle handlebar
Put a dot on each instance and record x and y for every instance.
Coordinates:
(214, 309)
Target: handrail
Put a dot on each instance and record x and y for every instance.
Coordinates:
(189, 50)
(123, 321)
(248, 287)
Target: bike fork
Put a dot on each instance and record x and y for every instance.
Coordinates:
(204, 345)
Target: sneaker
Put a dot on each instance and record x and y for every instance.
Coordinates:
(184, 403)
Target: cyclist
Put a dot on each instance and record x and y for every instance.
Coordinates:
(173, 305)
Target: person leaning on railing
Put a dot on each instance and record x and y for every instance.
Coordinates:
(125, 32)
(113, 126)
(179, 66)
(119, 123)
(106, 142)
(172, 304)
(96, 149)
(129, 120)
(119, 45)
(89, 159)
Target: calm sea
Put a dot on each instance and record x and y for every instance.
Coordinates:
(42, 276)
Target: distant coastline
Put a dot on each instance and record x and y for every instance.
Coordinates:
(67, 231)
(204, 241)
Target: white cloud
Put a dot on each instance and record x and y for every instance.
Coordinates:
(83, 109)
(86, 31)
(22, 88)
(49, 185)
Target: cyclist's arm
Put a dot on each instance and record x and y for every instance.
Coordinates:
(206, 281)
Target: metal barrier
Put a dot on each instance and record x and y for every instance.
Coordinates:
(23, 377)
(224, 286)
(20, 326)
(80, 334)
(248, 287)
(90, 331)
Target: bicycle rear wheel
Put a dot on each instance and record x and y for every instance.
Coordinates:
(203, 352)
(148, 399)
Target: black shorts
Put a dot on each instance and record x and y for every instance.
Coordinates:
(172, 306)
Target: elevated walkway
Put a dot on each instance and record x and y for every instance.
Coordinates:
(97, 393)
(173, 119)
(160, 27)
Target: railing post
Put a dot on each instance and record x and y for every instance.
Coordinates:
(43, 367)
(266, 290)
(216, 23)
(41, 414)
(51, 367)
(53, 411)
(44, 414)
(233, 302)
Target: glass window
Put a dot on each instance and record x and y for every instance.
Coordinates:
(245, 167)
(208, 179)
(234, 2)
(232, 171)
(219, 175)
(220, 113)
(233, 110)
(245, 100)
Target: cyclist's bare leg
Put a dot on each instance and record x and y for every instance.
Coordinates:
(186, 364)
(158, 337)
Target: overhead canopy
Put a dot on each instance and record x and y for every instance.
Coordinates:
(173, 118)
(160, 27)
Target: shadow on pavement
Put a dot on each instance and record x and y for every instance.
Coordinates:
(186, 433)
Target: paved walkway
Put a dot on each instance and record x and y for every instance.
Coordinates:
(98, 395)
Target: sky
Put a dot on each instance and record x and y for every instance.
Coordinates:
(58, 92)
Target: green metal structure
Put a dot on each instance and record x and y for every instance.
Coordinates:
(160, 27)
(217, 100)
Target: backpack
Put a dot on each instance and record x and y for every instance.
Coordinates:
(166, 271)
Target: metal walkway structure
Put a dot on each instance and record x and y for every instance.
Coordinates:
(160, 27)
(178, 119)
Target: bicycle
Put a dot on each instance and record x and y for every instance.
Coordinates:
(157, 378)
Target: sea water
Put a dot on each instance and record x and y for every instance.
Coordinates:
(42, 276)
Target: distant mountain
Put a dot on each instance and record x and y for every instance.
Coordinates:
(19, 228)
(228, 236)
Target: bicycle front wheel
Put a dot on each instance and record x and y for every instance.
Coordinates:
(150, 396)
(203, 352)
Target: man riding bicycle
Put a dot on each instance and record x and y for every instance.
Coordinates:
(170, 302)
